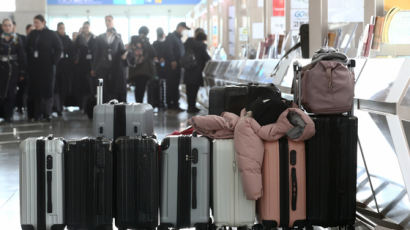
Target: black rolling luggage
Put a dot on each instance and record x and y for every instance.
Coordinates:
(137, 177)
(88, 164)
(331, 162)
(233, 98)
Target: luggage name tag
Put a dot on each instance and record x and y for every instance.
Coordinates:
(62, 55)
(35, 54)
(66, 55)
(109, 55)
(89, 56)
(4, 59)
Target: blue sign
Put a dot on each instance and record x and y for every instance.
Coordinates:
(122, 2)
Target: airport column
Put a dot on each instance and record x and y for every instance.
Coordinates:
(26, 10)
(317, 24)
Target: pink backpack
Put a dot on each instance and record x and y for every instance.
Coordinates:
(326, 87)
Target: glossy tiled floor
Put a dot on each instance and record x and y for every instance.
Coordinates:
(70, 125)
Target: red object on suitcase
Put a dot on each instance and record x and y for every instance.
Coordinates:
(283, 203)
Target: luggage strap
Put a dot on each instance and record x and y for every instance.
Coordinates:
(184, 182)
(41, 184)
(120, 120)
(284, 181)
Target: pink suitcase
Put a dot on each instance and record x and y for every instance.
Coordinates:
(284, 179)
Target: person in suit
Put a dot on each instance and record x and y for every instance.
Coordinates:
(193, 77)
(174, 51)
(44, 50)
(108, 62)
(84, 45)
(64, 86)
(12, 67)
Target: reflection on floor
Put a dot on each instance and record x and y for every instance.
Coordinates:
(70, 125)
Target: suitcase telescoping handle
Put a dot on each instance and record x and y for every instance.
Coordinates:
(297, 80)
(100, 91)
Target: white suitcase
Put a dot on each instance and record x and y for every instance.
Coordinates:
(42, 184)
(230, 206)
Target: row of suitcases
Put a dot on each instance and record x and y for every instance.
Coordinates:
(73, 183)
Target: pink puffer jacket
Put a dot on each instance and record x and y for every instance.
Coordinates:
(216, 127)
(248, 139)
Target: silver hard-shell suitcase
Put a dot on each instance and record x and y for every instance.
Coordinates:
(42, 183)
(185, 181)
(115, 119)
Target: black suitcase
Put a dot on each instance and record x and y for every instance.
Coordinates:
(137, 179)
(233, 98)
(157, 93)
(88, 188)
(331, 164)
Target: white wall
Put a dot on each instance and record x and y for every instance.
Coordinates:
(26, 10)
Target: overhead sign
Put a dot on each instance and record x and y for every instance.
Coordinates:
(122, 2)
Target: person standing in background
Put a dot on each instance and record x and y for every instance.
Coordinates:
(44, 50)
(141, 67)
(29, 28)
(21, 95)
(108, 63)
(160, 51)
(64, 86)
(174, 51)
(12, 66)
(193, 78)
(84, 45)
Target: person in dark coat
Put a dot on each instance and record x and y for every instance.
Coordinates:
(174, 51)
(193, 76)
(84, 45)
(12, 66)
(108, 63)
(160, 51)
(65, 87)
(22, 81)
(44, 50)
(141, 63)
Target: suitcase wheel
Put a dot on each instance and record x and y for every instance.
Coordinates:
(257, 227)
(164, 226)
(202, 226)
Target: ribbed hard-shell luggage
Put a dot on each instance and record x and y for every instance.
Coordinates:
(283, 203)
(113, 119)
(230, 206)
(42, 184)
(88, 184)
(233, 98)
(185, 179)
(331, 165)
(137, 187)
